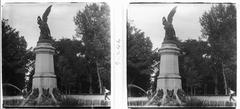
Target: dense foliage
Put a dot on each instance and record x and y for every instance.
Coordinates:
(193, 67)
(15, 56)
(219, 28)
(82, 64)
(139, 59)
(72, 68)
(93, 28)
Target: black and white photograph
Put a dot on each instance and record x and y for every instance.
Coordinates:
(56, 54)
(181, 54)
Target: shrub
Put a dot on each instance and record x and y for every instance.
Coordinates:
(194, 102)
(12, 103)
(69, 102)
(72, 102)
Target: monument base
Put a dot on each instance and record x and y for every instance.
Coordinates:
(168, 97)
(169, 85)
(43, 97)
(44, 85)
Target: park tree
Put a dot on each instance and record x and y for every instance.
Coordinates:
(15, 56)
(93, 28)
(192, 65)
(139, 57)
(219, 28)
(30, 66)
(66, 61)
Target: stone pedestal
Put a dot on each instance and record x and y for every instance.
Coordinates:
(44, 76)
(44, 84)
(169, 71)
(169, 85)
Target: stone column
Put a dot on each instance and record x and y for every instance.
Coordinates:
(169, 80)
(169, 85)
(44, 76)
(44, 84)
(169, 71)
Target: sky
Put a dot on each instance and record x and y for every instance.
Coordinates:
(23, 17)
(148, 18)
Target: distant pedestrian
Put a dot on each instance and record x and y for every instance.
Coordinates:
(24, 92)
(106, 93)
(231, 93)
(149, 94)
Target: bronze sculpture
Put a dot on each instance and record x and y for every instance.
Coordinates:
(45, 34)
(169, 30)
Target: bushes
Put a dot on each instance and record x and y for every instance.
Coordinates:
(65, 102)
(72, 102)
(69, 102)
(12, 103)
(137, 103)
(191, 102)
(204, 103)
(194, 102)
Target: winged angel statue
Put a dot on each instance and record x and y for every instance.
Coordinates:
(44, 29)
(169, 30)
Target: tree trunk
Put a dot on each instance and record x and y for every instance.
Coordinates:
(69, 91)
(216, 85)
(194, 91)
(191, 90)
(205, 89)
(90, 83)
(224, 79)
(99, 79)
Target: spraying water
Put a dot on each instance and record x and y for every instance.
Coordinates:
(133, 85)
(8, 84)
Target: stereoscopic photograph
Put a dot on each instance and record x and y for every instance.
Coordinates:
(181, 54)
(56, 54)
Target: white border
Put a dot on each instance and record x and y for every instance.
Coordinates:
(118, 74)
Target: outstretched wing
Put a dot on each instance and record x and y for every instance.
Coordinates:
(46, 13)
(171, 14)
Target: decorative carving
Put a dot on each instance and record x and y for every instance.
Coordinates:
(166, 97)
(35, 94)
(169, 30)
(57, 94)
(46, 97)
(170, 94)
(157, 98)
(170, 98)
(26, 93)
(45, 35)
(160, 93)
(181, 95)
